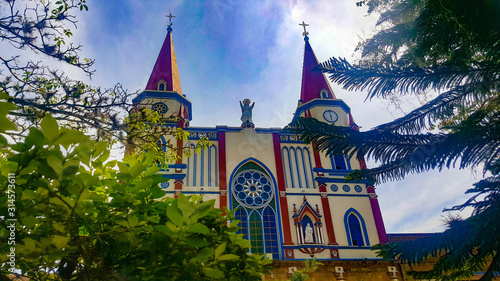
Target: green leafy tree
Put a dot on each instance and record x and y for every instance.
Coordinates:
(83, 217)
(37, 34)
(448, 47)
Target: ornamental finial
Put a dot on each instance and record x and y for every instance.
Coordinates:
(170, 16)
(305, 33)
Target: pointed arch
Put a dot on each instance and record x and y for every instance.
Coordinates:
(353, 231)
(264, 225)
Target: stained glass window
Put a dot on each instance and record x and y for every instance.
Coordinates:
(253, 194)
(242, 217)
(256, 233)
(270, 232)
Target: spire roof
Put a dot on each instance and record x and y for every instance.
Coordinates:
(313, 82)
(166, 67)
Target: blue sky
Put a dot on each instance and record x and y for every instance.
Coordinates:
(230, 50)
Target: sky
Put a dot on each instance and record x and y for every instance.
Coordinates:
(228, 50)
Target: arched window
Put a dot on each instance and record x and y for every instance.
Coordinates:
(253, 192)
(162, 85)
(271, 237)
(355, 230)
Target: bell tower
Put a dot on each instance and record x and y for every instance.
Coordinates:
(317, 99)
(163, 91)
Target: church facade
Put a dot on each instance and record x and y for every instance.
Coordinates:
(292, 201)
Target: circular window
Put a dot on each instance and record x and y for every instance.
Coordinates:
(160, 107)
(334, 187)
(252, 188)
(346, 188)
(165, 184)
(358, 188)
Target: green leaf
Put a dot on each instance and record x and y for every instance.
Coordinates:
(228, 257)
(175, 216)
(157, 192)
(203, 209)
(55, 163)
(198, 228)
(197, 242)
(213, 273)
(68, 137)
(220, 250)
(186, 207)
(29, 222)
(49, 126)
(60, 241)
(99, 148)
(36, 137)
(132, 220)
(5, 123)
(59, 227)
(203, 254)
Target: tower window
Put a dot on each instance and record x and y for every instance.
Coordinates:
(323, 94)
(338, 162)
(162, 86)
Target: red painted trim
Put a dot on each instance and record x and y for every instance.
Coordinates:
(285, 219)
(317, 160)
(377, 216)
(180, 144)
(362, 163)
(328, 216)
(222, 168)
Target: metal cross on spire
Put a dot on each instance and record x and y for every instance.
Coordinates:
(305, 33)
(170, 16)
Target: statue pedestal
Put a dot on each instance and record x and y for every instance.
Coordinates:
(248, 125)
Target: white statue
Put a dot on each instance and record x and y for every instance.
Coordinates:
(246, 113)
(309, 234)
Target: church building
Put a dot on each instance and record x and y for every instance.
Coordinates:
(293, 201)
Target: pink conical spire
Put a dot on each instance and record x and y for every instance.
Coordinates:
(166, 67)
(312, 81)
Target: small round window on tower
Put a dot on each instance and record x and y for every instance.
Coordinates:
(160, 107)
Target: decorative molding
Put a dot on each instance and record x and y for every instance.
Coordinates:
(282, 193)
(311, 251)
(323, 194)
(223, 192)
(334, 254)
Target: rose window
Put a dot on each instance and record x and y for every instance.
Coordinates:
(159, 107)
(252, 188)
